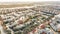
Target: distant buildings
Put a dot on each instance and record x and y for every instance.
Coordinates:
(26, 19)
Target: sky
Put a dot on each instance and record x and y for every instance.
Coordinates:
(26, 0)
